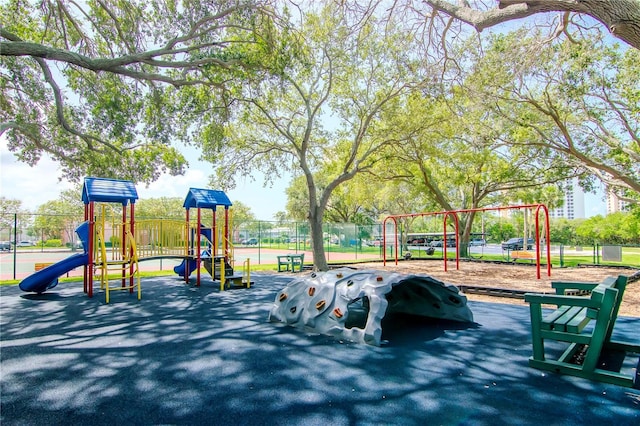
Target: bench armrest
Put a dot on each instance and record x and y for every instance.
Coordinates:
(559, 300)
(561, 286)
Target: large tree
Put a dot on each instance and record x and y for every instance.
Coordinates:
(12, 216)
(96, 84)
(321, 119)
(460, 155)
(59, 218)
(620, 17)
(576, 101)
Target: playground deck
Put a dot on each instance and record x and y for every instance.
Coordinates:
(194, 355)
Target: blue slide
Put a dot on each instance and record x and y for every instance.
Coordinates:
(47, 278)
(207, 234)
(179, 269)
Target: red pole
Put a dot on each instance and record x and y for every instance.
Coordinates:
(214, 236)
(123, 241)
(384, 239)
(395, 232)
(85, 275)
(92, 232)
(131, 230)
(198, 248)
(547, 235)
(188, 242)
(444, 243)
(226, 233)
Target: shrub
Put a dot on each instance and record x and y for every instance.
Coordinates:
(53, 242)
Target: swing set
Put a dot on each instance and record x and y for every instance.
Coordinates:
(453, 216)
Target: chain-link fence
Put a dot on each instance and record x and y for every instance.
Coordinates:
(27, 240)
(32, 239)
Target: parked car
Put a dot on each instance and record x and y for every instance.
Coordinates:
(417, 241)
(478, 242)
(5, 245)
(517, 244)
(25, 244)
(375, 243)
(438, 243)
(250, 242)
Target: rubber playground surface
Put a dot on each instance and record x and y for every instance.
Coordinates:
(195, 355)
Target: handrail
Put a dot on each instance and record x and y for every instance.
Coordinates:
(246, 272)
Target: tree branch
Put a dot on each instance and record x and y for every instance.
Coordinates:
(48, 76)
(621, 17)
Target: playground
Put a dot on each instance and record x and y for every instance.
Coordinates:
(195, 355)
(113, 246)
(192, 351)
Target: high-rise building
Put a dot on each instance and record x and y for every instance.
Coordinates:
(614, 203)
(573, 207)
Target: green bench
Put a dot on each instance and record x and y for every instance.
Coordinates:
(290, 262)
(588, 347)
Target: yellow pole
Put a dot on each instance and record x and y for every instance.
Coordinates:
(247, 270)
(222, 277)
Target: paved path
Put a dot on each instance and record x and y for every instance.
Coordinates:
(193, 355)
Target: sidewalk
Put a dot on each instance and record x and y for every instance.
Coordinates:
(193, 355)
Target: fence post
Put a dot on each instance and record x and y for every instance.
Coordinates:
(356, 238)
(259, 239)
(327, 246)
(562, 255)
(15, 243)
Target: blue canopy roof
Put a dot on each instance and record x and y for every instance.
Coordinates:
(108, 191)
(206, 199)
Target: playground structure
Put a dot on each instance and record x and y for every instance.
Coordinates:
(352, 304)
(122, 259)
(219, 266)
(453, 214)
(114, 246)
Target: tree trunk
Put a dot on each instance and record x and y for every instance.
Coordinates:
(317, 240)
(465, 236)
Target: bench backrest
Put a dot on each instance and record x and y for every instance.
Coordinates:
(621, 285)
(615, 286)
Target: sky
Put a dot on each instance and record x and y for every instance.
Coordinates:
(37, 185)
(595, 204)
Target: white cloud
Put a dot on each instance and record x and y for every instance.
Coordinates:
(37, 185)
(32, 185)
(174, 186)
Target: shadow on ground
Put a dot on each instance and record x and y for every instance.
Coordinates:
(194, 355)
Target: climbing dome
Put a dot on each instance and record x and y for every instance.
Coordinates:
(351, 304)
